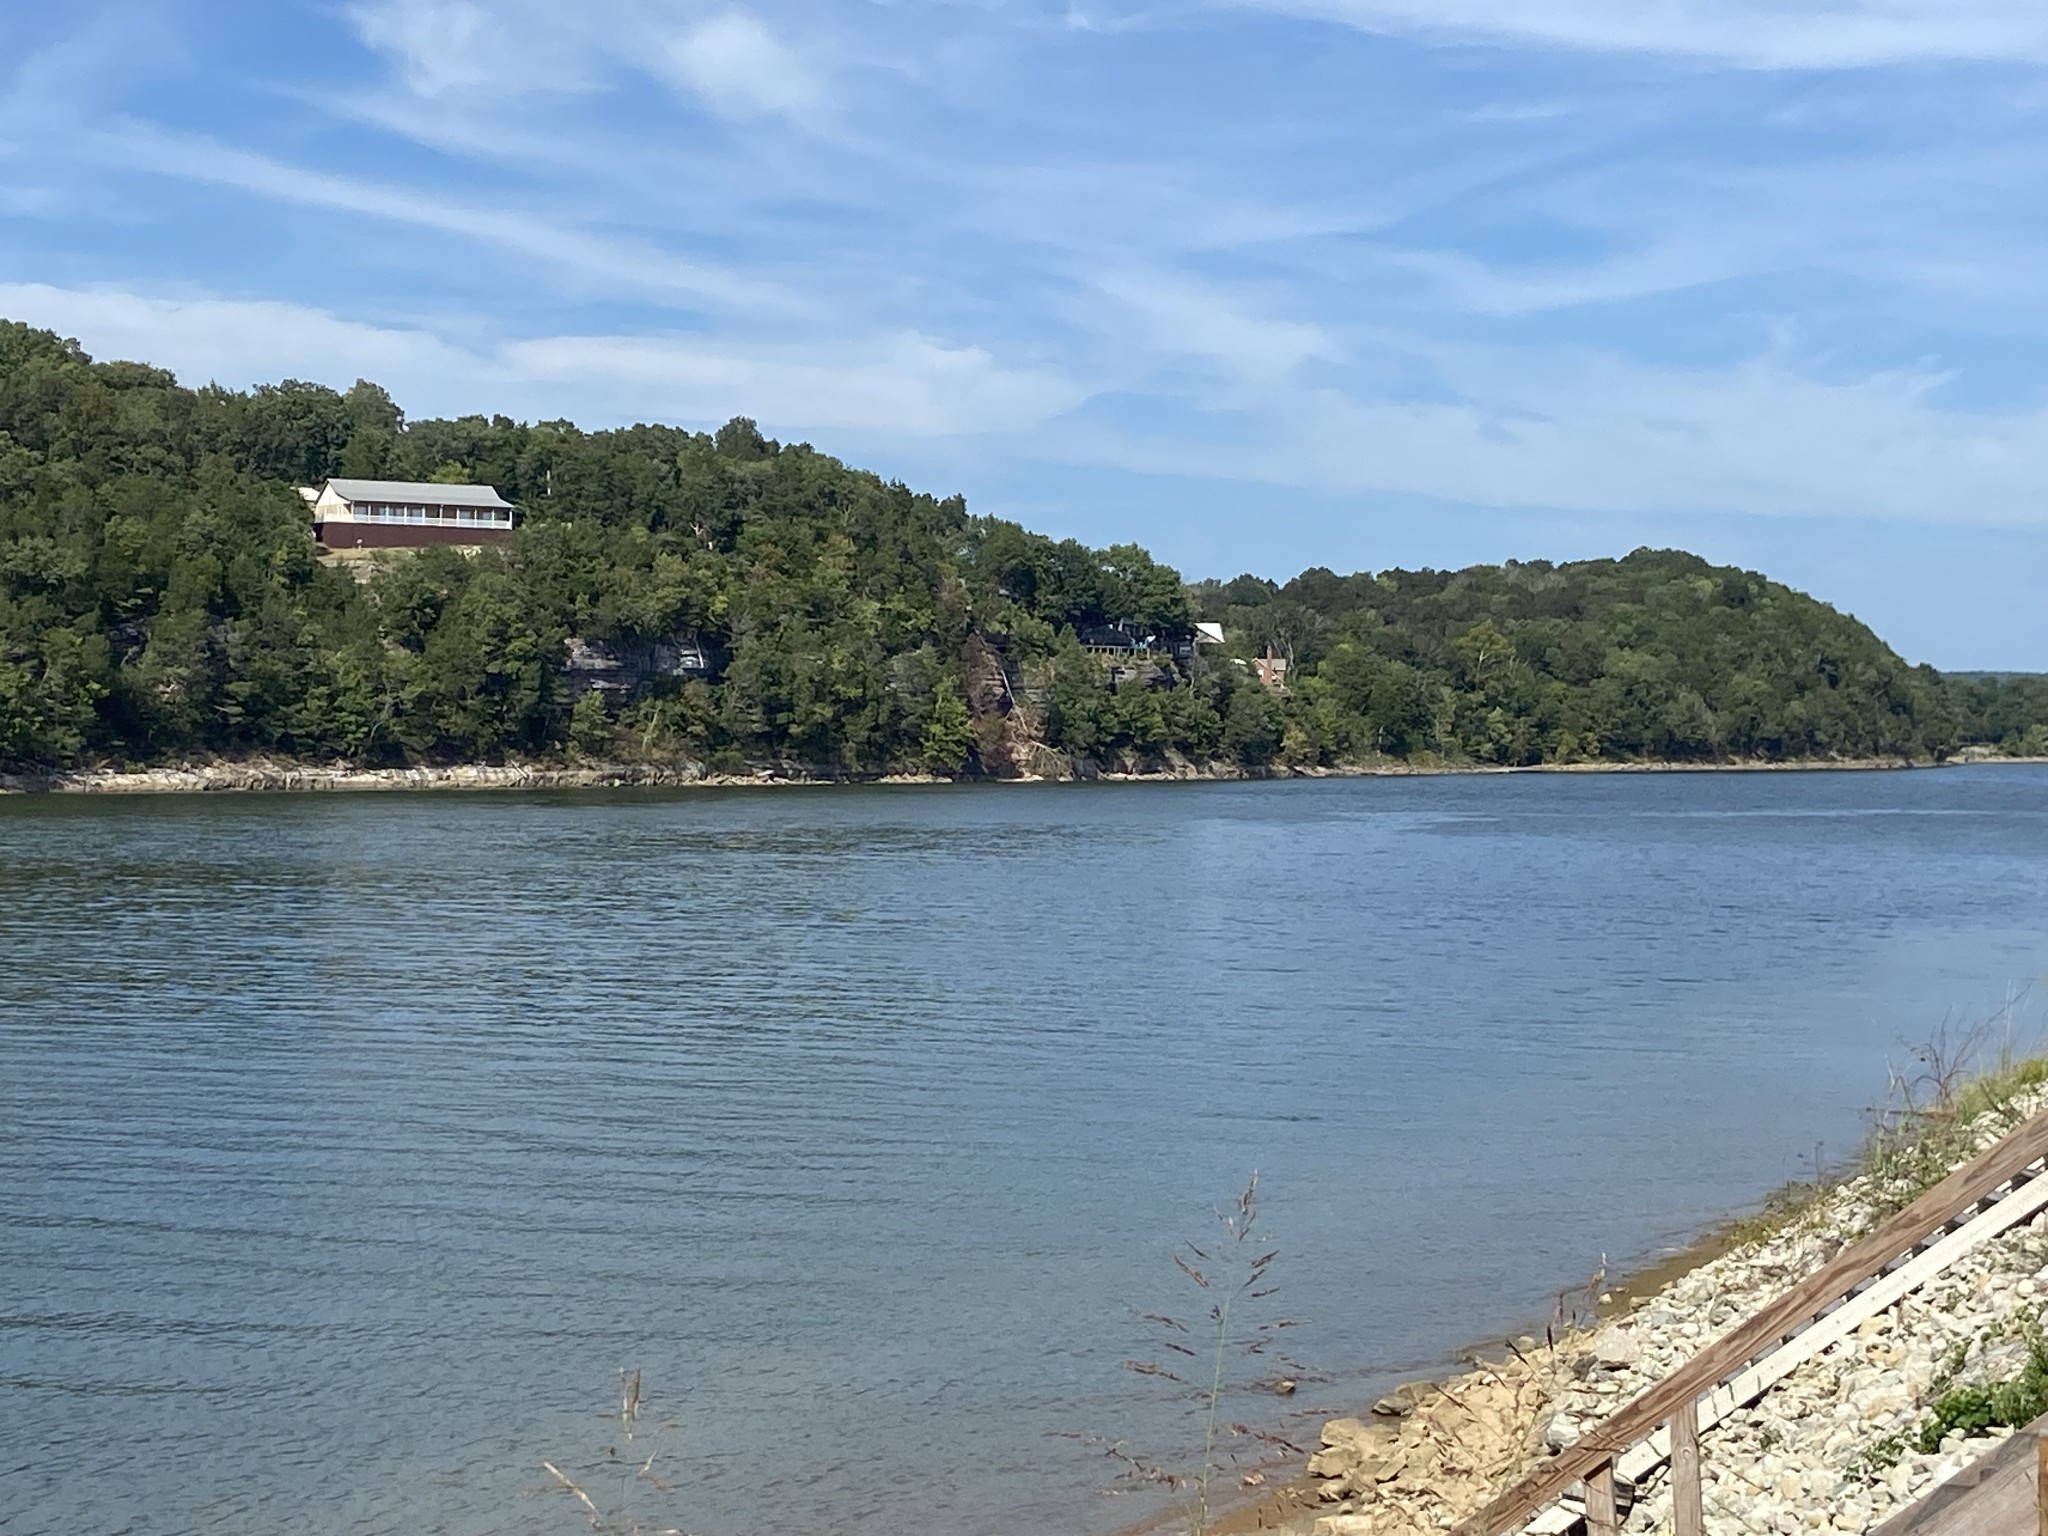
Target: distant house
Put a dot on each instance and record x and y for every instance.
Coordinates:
(1184, 648)
(404, 514)
(1271, 670)
(1114, 640)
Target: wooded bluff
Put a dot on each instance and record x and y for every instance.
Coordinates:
(161, 597)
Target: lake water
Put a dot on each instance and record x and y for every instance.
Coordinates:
(350, 1145)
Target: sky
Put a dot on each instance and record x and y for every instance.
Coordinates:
(1262, 284)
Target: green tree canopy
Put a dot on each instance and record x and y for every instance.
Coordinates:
(161, 595)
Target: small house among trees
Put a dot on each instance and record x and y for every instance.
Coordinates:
(1115, 640)
(1271, 670)
(405, 514)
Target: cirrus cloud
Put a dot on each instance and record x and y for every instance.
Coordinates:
(1762, 34)
(900, 384)
(727, 58)
(742, 70)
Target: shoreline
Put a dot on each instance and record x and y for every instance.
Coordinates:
(271, 776)
(1876, 1389)
(1863, 1427)
(1289, 1503)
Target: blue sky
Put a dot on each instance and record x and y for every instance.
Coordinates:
(1260, 283)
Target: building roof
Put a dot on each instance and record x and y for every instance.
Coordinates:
(1112, 637)
(419, 492)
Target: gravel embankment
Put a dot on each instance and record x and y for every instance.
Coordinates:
(1828, 1448)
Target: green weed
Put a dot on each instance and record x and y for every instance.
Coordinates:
(2004, 1404)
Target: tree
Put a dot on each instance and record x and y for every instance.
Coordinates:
(740, 439)
(948, 735)
(590, 725)
(1252, 728)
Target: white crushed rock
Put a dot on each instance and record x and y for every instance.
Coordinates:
(1826, 1449)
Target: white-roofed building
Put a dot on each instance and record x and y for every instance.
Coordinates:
(404, 514)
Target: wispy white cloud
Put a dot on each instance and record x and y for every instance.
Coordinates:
(236, 342)
(1933, 221)
(742, 70)
(724, 57)
(899, 384)
(452, 46)
(1557, 428)
(60, 78)
(1582, 431)
(611, 261)
(1763, 34)
(1166, 316)
(503, 48)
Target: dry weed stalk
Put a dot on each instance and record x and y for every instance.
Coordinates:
(1576, 1308)
(569, 1483)
(622, 1520)
(1930, 1118)
(1230, 1274)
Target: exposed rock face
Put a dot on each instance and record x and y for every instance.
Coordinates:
(1829, 1448)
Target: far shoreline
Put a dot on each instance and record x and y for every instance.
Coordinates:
(273, 776)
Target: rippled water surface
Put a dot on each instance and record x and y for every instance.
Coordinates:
(349, 1145)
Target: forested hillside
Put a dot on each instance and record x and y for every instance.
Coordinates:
(161, 597)
(1659, 656)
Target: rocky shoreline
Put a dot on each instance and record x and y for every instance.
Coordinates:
(1835, 1446)
(269, 775)
(265, 776)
